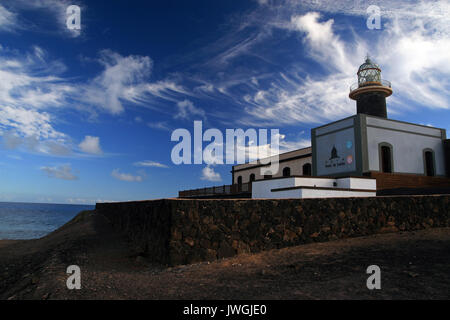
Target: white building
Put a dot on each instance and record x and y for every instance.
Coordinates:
(362, 144)
(293, 163)
(356, 156)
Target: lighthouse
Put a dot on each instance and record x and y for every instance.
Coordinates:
(358, 156)
(370, 92)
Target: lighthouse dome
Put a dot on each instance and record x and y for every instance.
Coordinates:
(369, 73)
(370, 92)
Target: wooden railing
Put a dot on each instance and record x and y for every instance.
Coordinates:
(225, 190)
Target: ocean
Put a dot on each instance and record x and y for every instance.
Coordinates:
(34, 220)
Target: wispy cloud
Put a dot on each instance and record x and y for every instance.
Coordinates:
(33, 89)
(8, 19)
(34, 80)
(412, 48)
(126, 176)
(120, 74)
(161, 125)
(54, 8)
(243, 73)
(294, 98)
(149, 163)
(187, 109)
(63, 172)
(28, 122)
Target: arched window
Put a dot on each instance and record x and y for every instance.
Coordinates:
(287, 172)
(385, 152)
(307, 169)
(428, 157)
(252, 177)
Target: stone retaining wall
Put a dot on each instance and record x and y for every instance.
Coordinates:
(174, 231)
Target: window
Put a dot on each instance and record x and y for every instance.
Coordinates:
(307, 169)
(386, 159)
(268, 175)
(252, 177)
(287, 172)
(239, 183)
(429, 163)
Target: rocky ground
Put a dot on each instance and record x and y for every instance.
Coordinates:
(414, 265)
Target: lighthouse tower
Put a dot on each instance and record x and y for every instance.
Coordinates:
(371, 91)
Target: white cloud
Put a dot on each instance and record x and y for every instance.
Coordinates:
(325, 46)
(15, 157)
(8, 20)
(57, 9)
(186, 109)
(412, 48)
(165, 89)
(28, 122)
(412, 56)
(63, 172)
(30, 80)
(32, 87)
(286, 146)
(56, 148)
(208, 88)
(318, 33)
(209, 174)
(294, 99)
(120, 74)
(161, 125)
(126, 176)
(124, 81)
(11, 140)
(91, 145)
(149, 163)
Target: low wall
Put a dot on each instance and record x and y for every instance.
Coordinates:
(178, 231)
(387, 181)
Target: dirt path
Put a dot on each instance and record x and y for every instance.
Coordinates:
(414, 265)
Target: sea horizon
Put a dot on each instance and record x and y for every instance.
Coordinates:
(51, 203)
(29, 220)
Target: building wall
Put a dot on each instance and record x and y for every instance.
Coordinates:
(344, 138)
(301, 157)
(357, 183)
(408, 143)
(263, 189)
(357, 140)
(319, 193)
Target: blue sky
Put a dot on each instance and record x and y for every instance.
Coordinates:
(87, 115)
